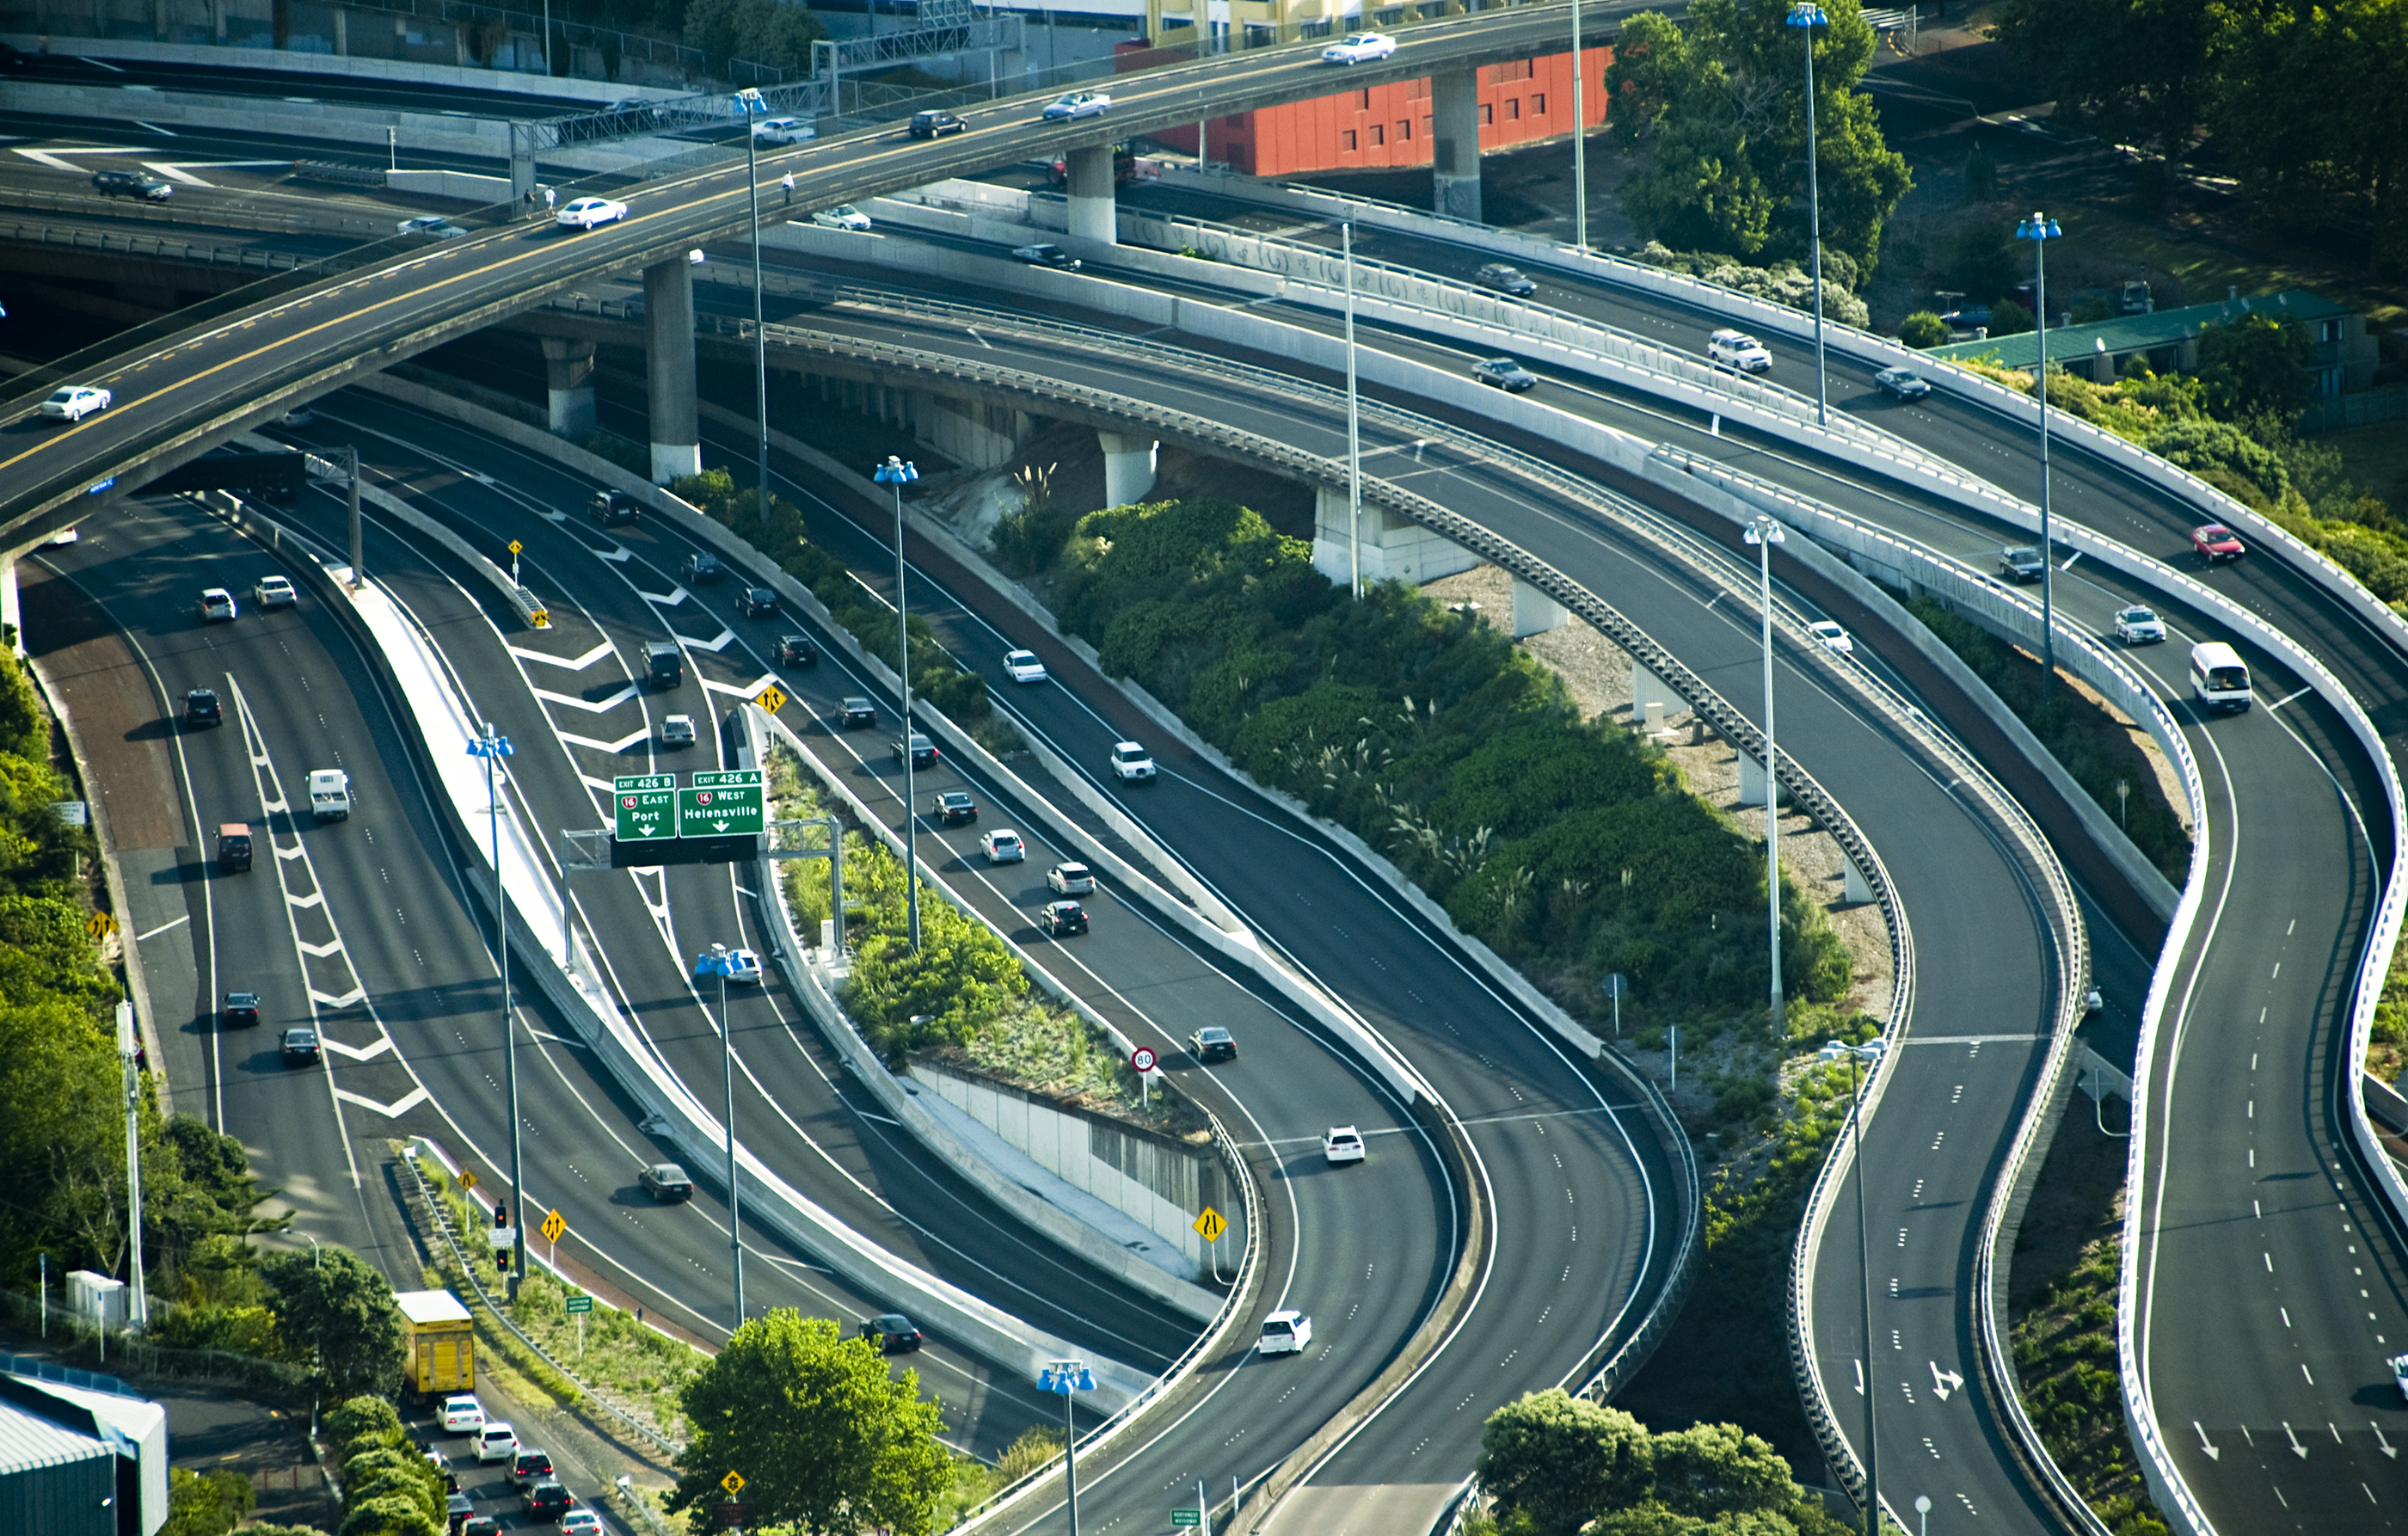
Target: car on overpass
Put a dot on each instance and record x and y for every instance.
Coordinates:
(74, 402)
(202, 710)
(937, 123)
(1738, 350)
(300, 1046)
(665, 1183)
(1071, 880)
(586, 212)
(1359, 47)
(797, 650)
(432, 224)
(2021, 562)
(1507, 279)
(1341, 1144)
(216, 606)
(842, 216)
(1131, 763)
(1061, 919)
(783, 131)
(1002, 846)
(242, 1010)
(150, 189)
(1905, 383)
(274, 591)
(676, 730)
(2138, 625)
(1046, 255)
(892, 1332)
(611, 508)
(1212, 1043)
(1504, 373)
(2214, 544)
(953, 807)
(1072, 105)
(1023, 667)
(1832, 637)
(1285, 1331)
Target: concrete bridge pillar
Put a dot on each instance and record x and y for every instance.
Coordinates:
(1091, 216)
(568, 381)
(1534, 612)
(10, 614)
(668, 351)
(1455, 136)
(1646, 688)
(1393, 548)
(1751, 779)
(1128, 467)
(522, 162)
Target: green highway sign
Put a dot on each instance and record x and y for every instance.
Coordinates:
(581, 1303)
(721, 805)
(644, 807)
(1186, 1517)
(626, 781)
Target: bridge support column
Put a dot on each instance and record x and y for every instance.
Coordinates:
(976, 433)
(1534, 612)
(1393, 548)
(1455, 135)
(1751, 779)
(668, 352)
(569, 380)
(1128, 467)
(522, 162)
(1091, 216)
(10, 614)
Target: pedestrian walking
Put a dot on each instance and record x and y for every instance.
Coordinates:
(550, 199)
(789, 184)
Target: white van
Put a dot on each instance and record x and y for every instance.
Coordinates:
(330, 794)
(2218, 680)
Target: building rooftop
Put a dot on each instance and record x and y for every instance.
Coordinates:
(29, 1441)
(2126, 333)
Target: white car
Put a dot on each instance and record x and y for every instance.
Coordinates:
(330, 794)
(433, 225)
(496, 1441)
(783, 131)
(274, 591)
(581, 1522)
(462, 1416)
(1077, 104)
(1002, 846)
(218, 605)
(1738, 350)
(842, 216)
(586, 212)
(1023, 667)
(743, 966)
(74, 402)
(2138, 625)
(1357, 46)
(1343, 1144)
(1285, 1331)
(1832, 637)
(1131, 762)
(1071, 880)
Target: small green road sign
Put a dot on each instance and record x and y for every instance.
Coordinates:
(581, 1303)
(626, 781)
(1186, 1517)
(645, 815)
(721, 805)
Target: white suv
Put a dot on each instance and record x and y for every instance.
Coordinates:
(1131, 762)
(1738, 350)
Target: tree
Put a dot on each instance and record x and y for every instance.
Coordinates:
(1710, 1469)
(827, 1441)
(1923, 329)
(1556, 1461)
(2252, 367)
(2139, 71)
(206, 1503)
(332, 1302)
(756, 30)
(1724, 103)
(2008, 318)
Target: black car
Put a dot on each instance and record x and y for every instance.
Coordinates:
(664, 664)
(241, 1009)
(1212, 1043)
(2022, 563)
(547, 1500)
(612, 507)
(923, 751)
(703, 569)
(1046, 255)
(954, 806)
(797, 650)
(936, 124)
(666, 1182)
(300, 1046)
(202, 709)
(895, 1333)
(151, 189)
(1505, 280)
(1504, 373)
(760, 602)
(859, 712)
(1061, 919)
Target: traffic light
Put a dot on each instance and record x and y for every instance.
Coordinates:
(502, 1260)
(501, 1215)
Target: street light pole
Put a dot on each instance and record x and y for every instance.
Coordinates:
(1066, 1377)
(750, 100)
(2040, 229)
(138, 1314)
(1580, 144)
(491, 747)
(1764, 532)
(1354, 432)
(717, 963)
(898, 473)
(1806, 16)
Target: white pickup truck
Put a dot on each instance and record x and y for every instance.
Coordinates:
(330, 794)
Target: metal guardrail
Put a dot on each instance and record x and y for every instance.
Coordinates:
(160, 246)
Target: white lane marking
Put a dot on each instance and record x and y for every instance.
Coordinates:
(394, 1111)
(574, 663)
(354, 994)
(163, 133)
(356, 1052)
(614, 747)
(591, 706)
(664, 600)
(727, 637)
(304, 902)
(322, 951)
(2286, 699)
(744, 690)
(171, 922)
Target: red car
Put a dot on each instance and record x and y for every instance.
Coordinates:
(2215, 542)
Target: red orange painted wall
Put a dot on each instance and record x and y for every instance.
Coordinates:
(1389, 125)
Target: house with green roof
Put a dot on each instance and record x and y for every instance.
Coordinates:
(2342, 356)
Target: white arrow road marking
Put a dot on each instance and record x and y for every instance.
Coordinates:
(725, 636)
(2388, 1449)
(621, 745)
(292, 852)
(51, 157)
(1944, 1381)
(619, 556)
(394, 1111)
(600, 786)
(354, 994)
(665, 599)
(1860, 1376)
(384, 1043)
(171, 922)
(592, 706)
(320, 951)
(313, 898)
(574, 663)
(2206, 1444)
(2297, 1449)
(740, 689)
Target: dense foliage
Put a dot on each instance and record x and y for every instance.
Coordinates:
(1790, 284)
(2065, 1357)
(389, 1486)
(827, 1440)
(1721, 98)
(1557, 1465)
(1570, 847)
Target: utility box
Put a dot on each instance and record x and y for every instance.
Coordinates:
(442, 1342)
(97, 1298)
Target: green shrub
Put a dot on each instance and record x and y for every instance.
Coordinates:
(1923, 329)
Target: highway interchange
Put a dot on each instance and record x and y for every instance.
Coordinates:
(2274, 856)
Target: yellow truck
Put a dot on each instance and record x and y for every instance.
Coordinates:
(442, 1342)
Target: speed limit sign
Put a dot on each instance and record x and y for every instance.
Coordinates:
(1143, 1058)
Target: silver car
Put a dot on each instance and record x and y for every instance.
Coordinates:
(1077, 104)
